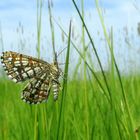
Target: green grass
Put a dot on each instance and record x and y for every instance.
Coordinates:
(99, 106)
(18, 119)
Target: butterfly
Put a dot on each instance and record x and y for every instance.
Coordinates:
(42, 76)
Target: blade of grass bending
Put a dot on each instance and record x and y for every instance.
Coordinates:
(114, 60)
(64, 89)
(93, 46)
(90, 68)
(95, 51)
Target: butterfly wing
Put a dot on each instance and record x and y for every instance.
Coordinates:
(42, 76)
(20, 67)
(37, 90)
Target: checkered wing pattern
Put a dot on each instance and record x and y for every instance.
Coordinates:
(21, 67)
(41, 74)
(37, 90)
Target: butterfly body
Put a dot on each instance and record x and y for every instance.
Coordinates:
(42, 76)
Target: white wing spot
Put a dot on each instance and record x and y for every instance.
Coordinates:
(27, 68)
(15, 80)
(30, 72)
(25, 63)
(24, 75)
(16, 72)
(15, 69)
(10, 76)
(33, 91)
(10, 59)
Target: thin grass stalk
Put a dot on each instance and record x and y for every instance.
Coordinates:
(53, 41)
(36, 124)
(112, 50)
(110, 47)
(64, 89)
(39, 21)
(113, 76)
(52, 28)
(98, 104)
(112, 71)
(77, 67)
(44, 121)
(1, 39)
(114, 60)
(96, 54)
(86, 113)
(112, 56)
(79, 62)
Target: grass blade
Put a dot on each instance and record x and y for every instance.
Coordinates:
(89, 67)
(93, 46)
(64, 89)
